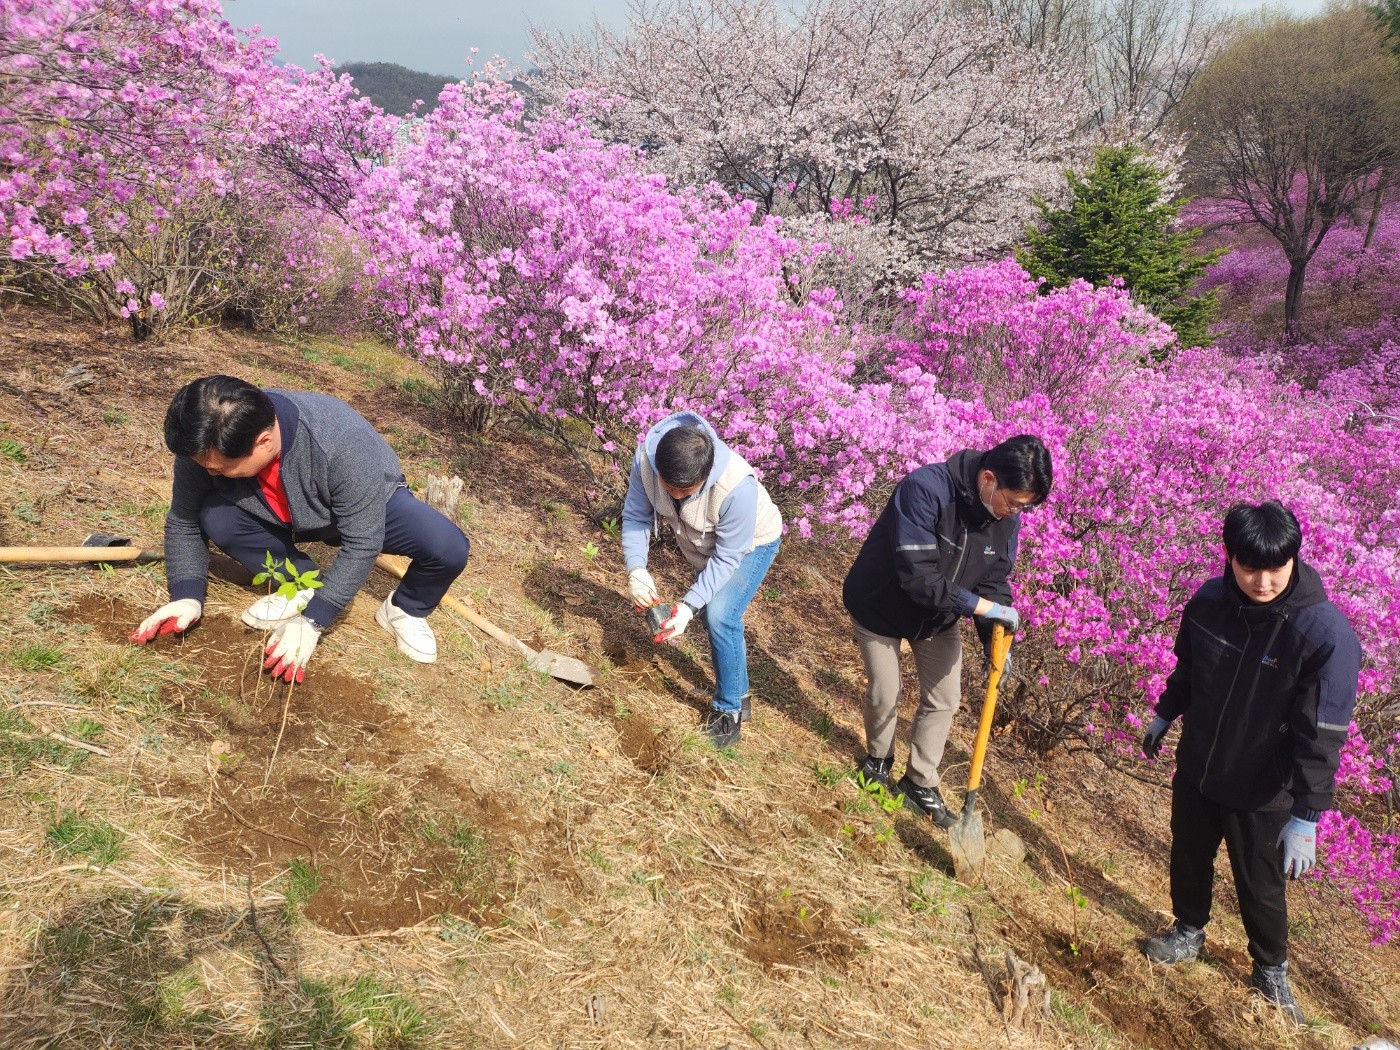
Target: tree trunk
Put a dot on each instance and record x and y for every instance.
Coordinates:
(1293, 299)
(1375, 210)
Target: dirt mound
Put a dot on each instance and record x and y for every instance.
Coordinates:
(371, 836)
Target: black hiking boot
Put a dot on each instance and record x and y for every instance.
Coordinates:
(925, 802)
(1181, 943)
(722, 728)
(1272, 983)
(874, 770)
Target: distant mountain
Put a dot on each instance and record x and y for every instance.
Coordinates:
(394, 88)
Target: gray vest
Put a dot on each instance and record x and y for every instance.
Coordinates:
(695, 525)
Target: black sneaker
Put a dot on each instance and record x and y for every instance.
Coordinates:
(925, 802)
(874, 770)
(1272, 983)
(722, 728)
(1181, 943)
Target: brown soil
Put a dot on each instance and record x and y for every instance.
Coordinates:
(388, 851)
(785, 932)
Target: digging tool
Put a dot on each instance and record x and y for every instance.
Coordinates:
(967, 841)
(99, 546)
(565, 668)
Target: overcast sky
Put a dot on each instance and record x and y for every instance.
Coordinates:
(435, 36)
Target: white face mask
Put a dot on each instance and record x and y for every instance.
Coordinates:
(989, 509)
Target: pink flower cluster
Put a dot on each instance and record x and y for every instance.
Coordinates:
(168, 164)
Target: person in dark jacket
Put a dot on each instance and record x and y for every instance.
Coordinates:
(1264, 684)
(940, 551)
(259, 471)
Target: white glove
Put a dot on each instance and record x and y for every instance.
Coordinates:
(674, 626)
(642, 588)
(289, 648)
(175, 618)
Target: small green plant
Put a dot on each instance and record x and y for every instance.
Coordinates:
(37, 657)
(12, 450)
(299, 884)
(113, 418)
(823, 725)
(869, 915)
(590, 550)
(27, 512)
(829, 775)
(923, 896)
(289, 581)
(74, 836)
(612, 529)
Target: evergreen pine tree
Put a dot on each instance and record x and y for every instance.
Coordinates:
(1119, 225)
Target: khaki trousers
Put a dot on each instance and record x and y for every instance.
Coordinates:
(938, 661)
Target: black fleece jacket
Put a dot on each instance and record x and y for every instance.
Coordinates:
(1265, 693)
(931, 554)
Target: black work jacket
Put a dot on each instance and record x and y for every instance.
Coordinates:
(1265, 693)
(934, 550)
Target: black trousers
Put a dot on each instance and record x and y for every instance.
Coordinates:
(1250, 836)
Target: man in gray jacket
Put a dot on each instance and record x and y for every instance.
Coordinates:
(728, 529)
(259, 471)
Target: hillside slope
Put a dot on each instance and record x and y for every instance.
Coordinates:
(473, 855)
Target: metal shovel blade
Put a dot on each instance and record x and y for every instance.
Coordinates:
(967, 842)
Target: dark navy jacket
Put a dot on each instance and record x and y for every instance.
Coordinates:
(931, 554)
(1265, 693)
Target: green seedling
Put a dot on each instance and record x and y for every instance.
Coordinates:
(12, 450)
(612, 529)
(288, 584)
(590, 551)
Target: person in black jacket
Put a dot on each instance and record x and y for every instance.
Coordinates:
(1265, 680)
(941, 550)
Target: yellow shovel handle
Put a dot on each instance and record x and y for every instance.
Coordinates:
(1001, 647)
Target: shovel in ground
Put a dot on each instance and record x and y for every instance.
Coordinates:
(967, 841)
(564, 668)
(98, 546)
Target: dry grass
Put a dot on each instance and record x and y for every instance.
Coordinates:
(470, 854)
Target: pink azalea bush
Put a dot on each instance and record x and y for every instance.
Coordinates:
(154, 165)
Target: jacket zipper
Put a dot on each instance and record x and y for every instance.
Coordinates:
(1253, 686)
(957, 570)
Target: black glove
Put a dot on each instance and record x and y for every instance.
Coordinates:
(1152, 739)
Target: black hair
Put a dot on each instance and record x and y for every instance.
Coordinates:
(217, 414)
(684, 456)
(1262, 537)
(1021, 464)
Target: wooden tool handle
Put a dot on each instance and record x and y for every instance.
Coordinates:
(60, 554)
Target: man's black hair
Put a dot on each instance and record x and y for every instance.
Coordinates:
(1262, 537)
(1021, 464)
(217, 414)
(684, 456)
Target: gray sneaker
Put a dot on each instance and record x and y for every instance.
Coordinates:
(1181, 943)
(1272, 983)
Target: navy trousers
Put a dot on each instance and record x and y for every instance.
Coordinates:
(436, 548)
(1198, 827)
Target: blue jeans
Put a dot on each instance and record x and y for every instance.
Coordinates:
(724, 620)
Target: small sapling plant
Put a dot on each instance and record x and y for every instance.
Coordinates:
(289, 582)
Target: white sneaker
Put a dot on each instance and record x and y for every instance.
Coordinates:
(268, 612)
(412, 633)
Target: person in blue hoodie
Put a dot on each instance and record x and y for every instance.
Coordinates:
(727, 527)
(1265, 682)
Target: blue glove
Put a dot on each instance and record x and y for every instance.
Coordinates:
(1004, 615)
(1298, 840)
(1152, 739)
